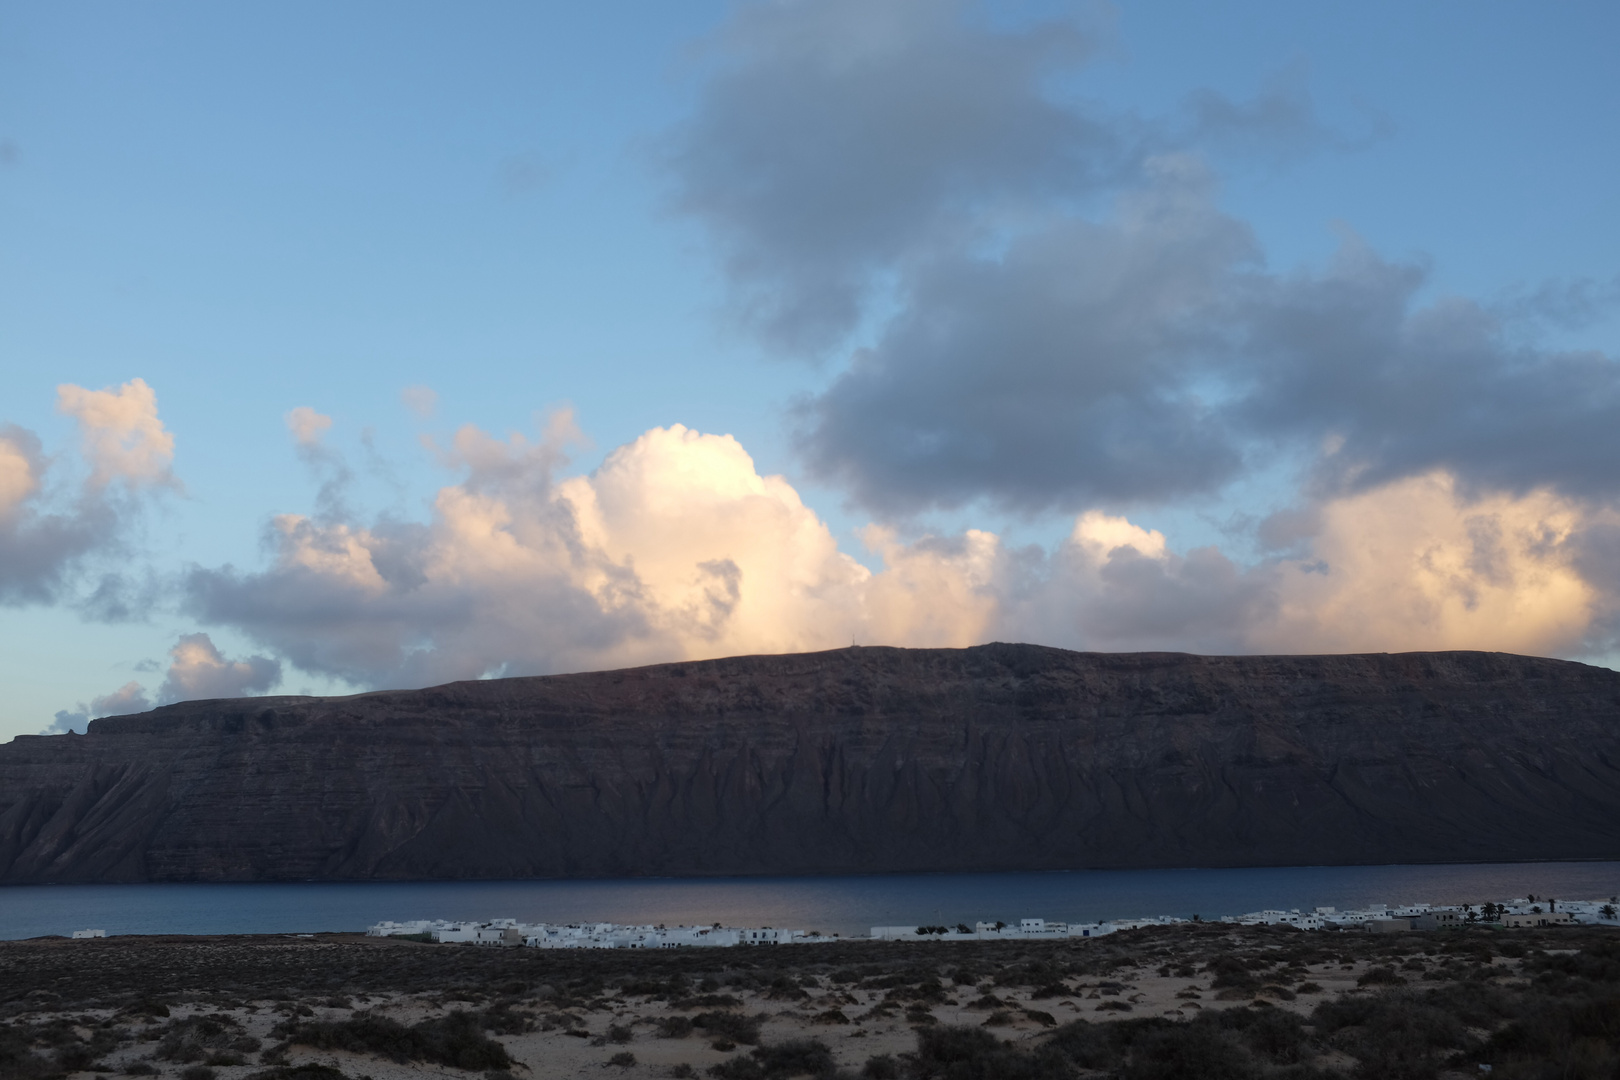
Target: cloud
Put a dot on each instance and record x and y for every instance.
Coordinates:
(308, 427)
(1114, 586)
(40, 539)
(67, 720)
(1149, 359)
(50, 527)
(1570, 304)
(422, 401)
(1421, 564)
(1349, 361)
(677, 548)
(197, 670)
(1046, 310)
(837, 138)
(122, 437)
(1278, 126)
(1075, 366)
(935, 591)
(20, 466)
(129, 698)
(1046, 307)
(1413, 565)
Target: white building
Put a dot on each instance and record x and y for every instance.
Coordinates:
(1299, 920)
(1538, 918)
(1025, 929)
(1115, 925)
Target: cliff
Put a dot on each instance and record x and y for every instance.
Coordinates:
(852, 761)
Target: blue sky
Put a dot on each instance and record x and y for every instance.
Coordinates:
(524, 208)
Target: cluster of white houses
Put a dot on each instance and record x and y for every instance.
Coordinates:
(510, 932)
(1024, 928)
(1389, 918)
(1378, 918)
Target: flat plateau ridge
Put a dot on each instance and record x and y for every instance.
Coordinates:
(860, 760)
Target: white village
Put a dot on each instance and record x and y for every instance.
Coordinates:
(1379, 918)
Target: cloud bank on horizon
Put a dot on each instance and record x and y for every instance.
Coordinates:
(1045, 311)
(677, 548)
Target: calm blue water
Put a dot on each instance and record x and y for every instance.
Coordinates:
(846, 905)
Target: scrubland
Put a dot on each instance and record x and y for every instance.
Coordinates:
(1196, 1001)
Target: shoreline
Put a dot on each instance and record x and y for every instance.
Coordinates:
(847, 906)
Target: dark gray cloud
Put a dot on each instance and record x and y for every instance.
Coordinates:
(841, 137)
(1391, 386)
(117, 597)
(1201, 601)
(1038, 354)
(45, 534)
(1128, 363)
(51, 525)
(1064, 370)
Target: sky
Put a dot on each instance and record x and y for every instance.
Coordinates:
(357, 346)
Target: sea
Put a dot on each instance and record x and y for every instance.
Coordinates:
(844, 905)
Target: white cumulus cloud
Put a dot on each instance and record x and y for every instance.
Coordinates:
(197, 670)
(122, 435)
(676, 547)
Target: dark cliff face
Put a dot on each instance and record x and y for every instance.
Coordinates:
(858, 760)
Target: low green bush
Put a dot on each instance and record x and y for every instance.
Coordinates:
(729, 1025)
(196, 1038)
(948, 1052)
(456, 1040)
(797, 1057)
(1182, 1051)
(1380, 976)
(674, 1027)
(1396, 1036)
